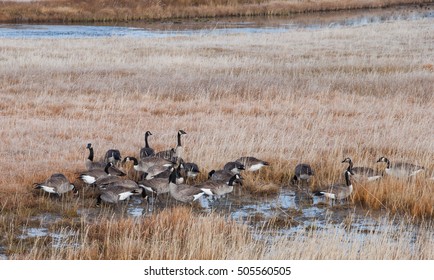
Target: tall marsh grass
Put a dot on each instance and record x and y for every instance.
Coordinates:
(313, 96)
(127, 10)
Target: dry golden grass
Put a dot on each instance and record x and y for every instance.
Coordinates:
(179, 234)
(299, 96)
(127, 10)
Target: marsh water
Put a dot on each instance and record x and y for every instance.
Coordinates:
(290, 211)
(204, 27)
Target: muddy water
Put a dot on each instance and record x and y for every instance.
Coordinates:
(221, 25)
(289, 212)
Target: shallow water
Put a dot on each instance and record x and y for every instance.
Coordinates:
(287, 213)
(203, 27)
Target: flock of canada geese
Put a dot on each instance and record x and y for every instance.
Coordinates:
(166, 172)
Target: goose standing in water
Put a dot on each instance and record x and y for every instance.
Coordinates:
(338, 192)
(219, 188)
(182, 192)
(303, 173)
(115, 193)
(155, 186)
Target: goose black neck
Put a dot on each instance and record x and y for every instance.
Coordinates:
(179, 139)
(146, 140)
(172, 177)
(98, 200)
(90, 154)
(106, 169)
(388, 163)
(231, 180)
(347, 179)
(136, 162)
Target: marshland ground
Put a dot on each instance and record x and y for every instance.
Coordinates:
(313, 96)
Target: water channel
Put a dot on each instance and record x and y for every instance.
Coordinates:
(204, 27)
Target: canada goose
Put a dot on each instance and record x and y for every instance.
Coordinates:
(57, 183)
(166, 174)
(234, 167)
(147, 151)
(252, 163)
(113, 170)
(361, 173)
(221, 174)
(105, 180)
(191, 169)
(148, 162)
(303, 172)
(150, 165)
(182, 192)
(89, 177)
(125, 183)
(173, 153)
(166, 154)
(156, 186)
(338, 191)
(90, 164)
(157, 170)
(114, 194)
(401, 169)
(113, 156)
(219, 188)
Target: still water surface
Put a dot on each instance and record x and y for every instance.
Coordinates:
(202, 27)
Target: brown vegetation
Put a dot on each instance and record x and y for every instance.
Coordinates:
(299, 96)
(127, 10)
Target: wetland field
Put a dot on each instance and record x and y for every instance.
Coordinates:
(298, 95)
